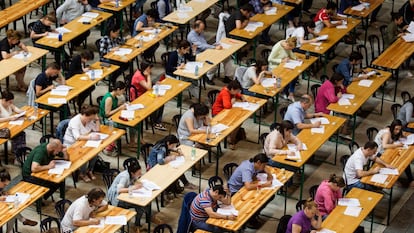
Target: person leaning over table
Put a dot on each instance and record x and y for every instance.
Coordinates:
(328, 193)
(82, 212)
(394, 29)
(205, 205)
(259, 7)
(238, 19)
(296, 113)
(146, 22)
(282, 53)
(40, 159)
(225, 100)
(389, 138)
(330, 92)
(245, 176)
(405, 115)
(5, 181)
(354, 167)
(346, 68)
(164, 8)
(193, 121)
(81, 128)
(407, 11)
(44, 82)
(12, 40)
(325, 15)
(254, 75)
(307, 220)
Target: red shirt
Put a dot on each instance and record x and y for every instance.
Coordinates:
(223, 101)
(321, 16)
(138, 77)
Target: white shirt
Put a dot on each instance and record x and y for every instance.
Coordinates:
(247, 79)
(76, 129)
(354, 163)
(299, 33)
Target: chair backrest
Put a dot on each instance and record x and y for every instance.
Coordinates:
(353, 146)
(98, 46)
(163, 228)
(273, 126)
(299, 205)
(46, 138)
(282, 112)
(176, 120)
(323, 78)
(238, 74)
(265, 53)
(109, 176)
(344, 159)
(154, 5)
(215, 180)
(212, 96)
(283, 223)
(184, 222)
(31, 94)
(61, 207)
(262, 138)
(371, 132)
(21, 154)
(65, 65)
(405, 96)
(383, 29)
(145, 151)
(375, 46)
(334, 67)
(128, 162)
(61, 129)
(47, 224)
(314, 89)
(312, 191)
(228, 169)
(364, 51)
(394, 110)
(164, 58)
(99, 99)
(289, 32)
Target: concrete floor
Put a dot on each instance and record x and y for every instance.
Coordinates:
(315, 172)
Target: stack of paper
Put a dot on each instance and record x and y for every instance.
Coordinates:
(93, 143)
(177, 162)
(148, 38)
(116, 220)
(411, 27)
(322, 37)
(56, 101)
(161, 92)
(252, 26)
(142, 192)
(409, 140)
(348, 202)
(16, 122)
(344, 101)
(63, 30)
(227, 210)
(98, 73)
(388, 171)
(268, 82)
(320, 130)
(52, 35)
(21, 55)
(90, 14)
(123, 51)
(150, 185)
(271, 11)
(353, 211)
(295, 156)
(359, 7)
(408, 37)
(365, 83)
(63, 164)
(218, 128)
(130, 115)
(379, 178)
(246, 106)
(294, 147)
(323, 120)
(84, 20)
(190, 66)
(59, 92)
(23, 197)
(371, 73)
(133, 107)
(56, 170)
(292, 64)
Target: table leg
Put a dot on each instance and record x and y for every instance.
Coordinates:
(119, 144)
(200, 84)
(138, 139)
(353, 127)
(149, 216)
(199, 177)
(396, 84)
(260, 122)
(382, 98)
(372, 220)
(180, 102)
(302, 181)
(275, 104)
(254, 47)
(389, 207)
(51, 123)
(62, 189)
(336, 146)
(6, 153)
(286, 190)
(217, 159)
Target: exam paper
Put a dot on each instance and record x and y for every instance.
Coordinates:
(161, 92)
(181, 15)
(149, 185)
(388, 171)
(409, 140)
(190, 66)
(177, 162)
(84, 20)
(292, 64)
(90, 14)
(322, 37)
(246, 106)
(353, 211)
(227, 210)
(320, 130)
(52, 35)
(123, 51)
(324, 230)
(252, 26)
(164, 87)
(379, 178)
(59, 92)
(16, 122)
(185, 8)
(98, 73)
(408, 37)
(93, 143)
(102, 136)
(371, 73)
(344, 101)
(23, 197)
(128, 114)
(323, 120)
(148, 38)
(411, 27)
(62, 164)
(116, 220)
(348, 96)
(271, 11)
(225, 45)
(268, 82)
(359, 7)
(296, 156)
(63, 87)
(142, 192)
(21, 55)
(316, 43)
(341, 27)
(56, 101)
(56, 170)
(63, 30)
(294, 147)
(100, 225)
(218, 128)
(348, 202)
(365, 83)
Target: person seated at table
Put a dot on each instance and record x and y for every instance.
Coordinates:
(302, 32)
(40, 159)
(44, 82)
(330, 92)
(7, 109)
(83, 211)
(254, 76)
(407, 11)
(278, 139)
(345, 4)
(259, 7)
(296, 113)
(141, 82)
(70, 10)
(146, 22)
(394, 30)
(245, 176)
(165, 151)
(193, 121)
(225, 100)
(405, 115)
(81, 128)
(282, 53)
(354, 167)
(328, 193)
(164, 8)
(196, 37)
(5, 181)
(346, 68)
(325, 15)
(94, 3)
(238, 19)
(12, 40)
(205, 205)
(307, 220)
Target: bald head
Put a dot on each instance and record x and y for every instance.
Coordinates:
(54, 146)
(306, 101)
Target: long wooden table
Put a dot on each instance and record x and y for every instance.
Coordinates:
(7, 210)
(362, 94)
(339, 222)
(287, 76)
(19, 10)
(111, 211)
(164, 176)
(79, 154)
(198, 6)
(122, 7)
(248, 202)
(29, 120)
(216, 56)
(233, 118)
(400, 159)
(313, 142)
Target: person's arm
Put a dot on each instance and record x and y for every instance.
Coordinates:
(330, 95)
(23, 47)
(275, 54)
(140, 27)
(60, 10)
(147, 84)
(273, 142)
(190, 125)
(82, 222)
(195, 39)
(329, 24)
(212, 214)
(296, 228)
(34, 35)
(39, 91)
(382, 162)
(60, 79)
(250, 185)
(108, 107)
(227, 100)
(7, 55)
(36, 167)
(241, 24)
(16, 109)
(409, 113)
(386, 138)
(328, 203)
(317, 223)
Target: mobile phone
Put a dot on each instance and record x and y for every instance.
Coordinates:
(86, 22)
(105, 64)
(209, 62)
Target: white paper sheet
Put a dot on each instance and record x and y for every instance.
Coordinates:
(120, 3)
(128, 114)
(23, 197)
(353, 211)
(359, 7)
(190, 66)
(408, 37)
(324, 230)
(246, 106)
(91, 14)
(98, 73)
(63, 30)
(21, 55)
(323, 120)
(348, 96)
(227, 210)
(177, 162)
(56, 170)
(100, 225)
(142, 192)
(341, 27)
(63, 164)
(56, 101)
(16, 122)
(218, 128)
(388, 171)
(275, 183)
(365, 83)
(149, 185)
(371, 73)
(409, 140)
(379, 178)
(271, 11)
(316, 43)
(320, 130)
(161, 92)
(322, 37)
(200, 0)
(411, 27)
(133, 107)
(185, 8)
(63, 87)
(294, 147)
(59, 92)
(164, 87)
(348, 202)
(268, 82)
(123, 51)
(295, 156)
(252, 26)
(102, 136)
(225, 45)
(148, 38)
(182, 15)
(116, 220)
(52, 35)
(292, 64)
(84, 19)
(344, 102)
(93, 143)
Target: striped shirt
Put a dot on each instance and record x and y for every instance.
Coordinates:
(200, 202)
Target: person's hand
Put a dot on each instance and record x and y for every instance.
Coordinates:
(231, 217)
(290, 152)
(286, 59)
(124, 106)
(193, 47)
(127, 37)
(52, 164)
(317, 124)
(399, 144)
(93, 221)
(115, 48)
(376, 170)
(389, 166)
(2, 198)
(181, 66)
(94, 136)
(233, 100)
(45, 34)
(299, 146)
(339, 95)
(180, 152)
(63, 21)
(86, 69)
(218, 47)
(137, 186)
(85, 2)
(319, 114)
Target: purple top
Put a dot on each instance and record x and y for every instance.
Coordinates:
(302, 220)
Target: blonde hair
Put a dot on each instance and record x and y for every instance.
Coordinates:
(291, 41)
(12, 34)
(309, 204)
(50, 17)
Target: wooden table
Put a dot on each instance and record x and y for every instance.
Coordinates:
(248, 202)
(400, 159)
(111, 211)
(216, 56)
(29, 120)
(111, 7)
(313, 143)
(287, 75)
(362, 94)
(267, 21)
(164, 176)
(79, 155)
(151, 104)
(198, 6)
(233, 118)
(8, 212)
(339, 222)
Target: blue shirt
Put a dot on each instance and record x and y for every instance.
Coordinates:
(344, 68)
(296, 114)
(243, 173)
(143, 19)
(198, 39)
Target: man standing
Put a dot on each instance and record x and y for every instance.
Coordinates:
(296, 113)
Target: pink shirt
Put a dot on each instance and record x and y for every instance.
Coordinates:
(326, 198)
(326, 95)
(136, 79)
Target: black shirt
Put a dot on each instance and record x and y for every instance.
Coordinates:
(231, 21)
(44, 81)
(39, 28)
(5, 46)
(75, 66)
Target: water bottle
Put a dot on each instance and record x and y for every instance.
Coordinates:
(307, 55)
(196, 70)
(111, 125)
(92, 75)
(278, 82)
(157, 32)
(16, 201)
(35, 111)
(116, 3)
(60, 36)
(208, 133)
(156, 90)
(193, 152)
(25, 54)
(141, 41)
(130, 188)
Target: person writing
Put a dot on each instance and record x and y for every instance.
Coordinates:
(330, 92)
(328, 193)
(305, 220)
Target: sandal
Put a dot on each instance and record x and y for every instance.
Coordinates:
(85, 178)
(91, 175)
(160, 127)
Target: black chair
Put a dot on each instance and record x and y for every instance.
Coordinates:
(265, 53)
(163, 228)
(344, 159)
(395, 109)
(375, 50)
(228, 169)
(145, 150)
(22, 153)
(371, 132)
(405, 96)
(353, 146)
(300, 205)
(99, 99)
(323, 78)
(109, 176)
(129, 161)
(98, 46)
(383, 29)
(314, 89)
(364, 51)
(154, 5)
(47, 224)
(176, 120)
(212, 96)
(46, 138)
(262, 138)
(282, 226)
(61, 207)
(282, 112)
(164, 58)
(215, 180)
(312, 191)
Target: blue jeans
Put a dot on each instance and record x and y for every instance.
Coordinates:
(361, 186)
(204, 226)
(247, 92)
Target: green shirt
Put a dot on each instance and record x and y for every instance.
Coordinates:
(102, 104)
(39, 155)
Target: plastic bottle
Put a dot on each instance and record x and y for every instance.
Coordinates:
(196, 70)
(111, 125)
(141, 41)
(25, 54)
(16, 201)
(307, 55)
(193, 152)
(60, 36)
(116, 3)
(208, 133)
(156, 90)
(130, 188)
(92, 75)
(35, 111)
(278, 82)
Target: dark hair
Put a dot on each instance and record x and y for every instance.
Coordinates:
(87, 54)
(306, 25)
(197, 23)
(355, 56)
(7, 95)
(133, 167)
(235, 85)
(395, 15)
(370, 145)
(113, 28)
(168, 139)
(259, 64)
(89, 110)
(118, 85)
(13, 34)
(305, 99)
(331, 5)
(338, 180)
(220, 189)
(152, 13)
(411, 100)
(95, 194)
(53, 65)
(395, 123)
(144, 65)
(284, 125)
(247, 7)
(51, 17)
(336, 77)
(183, 44)
(260, 157)
(4, 175)
(200, 109)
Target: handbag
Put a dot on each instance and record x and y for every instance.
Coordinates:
(5, 133)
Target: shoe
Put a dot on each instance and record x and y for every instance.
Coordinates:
(190, 186)
(85, 178)
(90, 175)
(29, 222)
(160, 127)
(227, 79)
(210, 82)
(156, 220)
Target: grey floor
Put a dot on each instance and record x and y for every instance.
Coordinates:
(316, 170)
